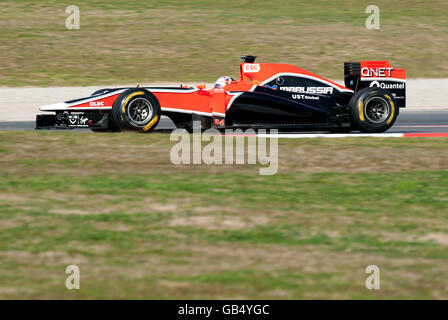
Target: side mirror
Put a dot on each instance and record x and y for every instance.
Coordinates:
(201, 86)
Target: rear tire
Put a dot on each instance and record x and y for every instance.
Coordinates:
(373, 110)
(136, 109)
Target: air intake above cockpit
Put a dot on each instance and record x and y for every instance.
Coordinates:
(248, 59)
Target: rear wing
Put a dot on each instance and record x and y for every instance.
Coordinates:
(359, 75)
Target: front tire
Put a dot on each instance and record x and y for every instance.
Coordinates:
(373, 110)
(136, 109)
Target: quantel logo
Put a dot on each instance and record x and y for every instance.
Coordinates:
(383, 85)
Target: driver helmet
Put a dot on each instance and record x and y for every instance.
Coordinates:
(223, 81)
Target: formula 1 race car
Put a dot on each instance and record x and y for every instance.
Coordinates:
(267, 95)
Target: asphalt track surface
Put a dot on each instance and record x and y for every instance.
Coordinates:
(409, 121)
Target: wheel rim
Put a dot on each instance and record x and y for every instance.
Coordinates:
(140, 111)
(377, 109)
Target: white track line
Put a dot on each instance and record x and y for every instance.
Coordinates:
(425, 126)
(333, 135)
(343, 135)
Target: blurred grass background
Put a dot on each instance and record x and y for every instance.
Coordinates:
(139, 227)
(199, 40)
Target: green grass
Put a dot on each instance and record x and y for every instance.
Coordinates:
(140, 227)
(145, 41)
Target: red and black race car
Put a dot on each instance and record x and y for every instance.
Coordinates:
(267, 95)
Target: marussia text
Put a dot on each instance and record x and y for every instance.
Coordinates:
(228, 309)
